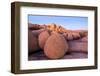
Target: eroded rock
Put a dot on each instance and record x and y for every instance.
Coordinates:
(32, 42)
(56, 46)
(43, 38)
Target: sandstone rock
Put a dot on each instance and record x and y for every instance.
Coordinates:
(56, 46)
(34, 26)
(71, 35)
(85, 39)
(76, 35)
(32, 42)
(55, 27)
(80, 45)
(37, 32)
(83, 33)
(68, 36)
(43, 38)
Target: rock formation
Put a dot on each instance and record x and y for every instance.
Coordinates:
(37, 32)
(43, 38)
(68, 34)
(56, 40)
(55, 46)
(32, 42)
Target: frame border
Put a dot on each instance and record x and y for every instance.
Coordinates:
(15, 37)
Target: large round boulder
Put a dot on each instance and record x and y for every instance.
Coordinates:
(55, 46)
(43, 36)
(32, 42)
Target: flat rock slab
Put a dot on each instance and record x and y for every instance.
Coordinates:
(73, 55)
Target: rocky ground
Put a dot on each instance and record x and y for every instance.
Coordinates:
(52, 41)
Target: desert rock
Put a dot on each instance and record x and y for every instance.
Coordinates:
(56, 46)
(68, 34)
(32, 42)
(43, 38)
(80, 45)
(34, 26)
(72, 35)
(37, 32)
(56, 28)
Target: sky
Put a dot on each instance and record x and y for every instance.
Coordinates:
(68, 22)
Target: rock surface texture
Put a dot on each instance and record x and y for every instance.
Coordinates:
(43, 38)
(32, 42)
(56, 46)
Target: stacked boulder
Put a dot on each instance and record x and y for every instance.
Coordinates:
(56, 41)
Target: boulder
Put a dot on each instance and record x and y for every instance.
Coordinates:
(55, 46)
(37, 32)
(71, 35)
(34, 26)
(80, 45)
(68, 36)
(32, 42)
(43, 38)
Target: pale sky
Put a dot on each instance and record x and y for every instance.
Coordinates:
(69, 22)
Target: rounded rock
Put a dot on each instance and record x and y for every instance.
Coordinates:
(76, 35)
(37, 32)
(43, 36)
(32, 42)
(68, 36)
(56, 46)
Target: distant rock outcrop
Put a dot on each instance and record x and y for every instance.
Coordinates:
(56, 28)
(68, 34)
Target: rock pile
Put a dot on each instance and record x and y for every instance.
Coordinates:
(55, 41)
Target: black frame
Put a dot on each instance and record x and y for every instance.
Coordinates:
(15, 36)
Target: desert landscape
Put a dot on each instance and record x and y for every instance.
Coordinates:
(52, 41)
